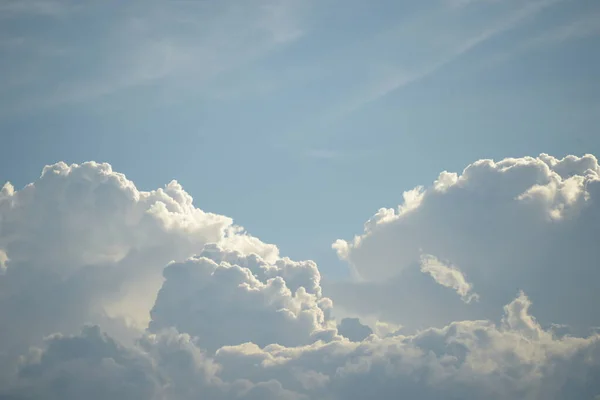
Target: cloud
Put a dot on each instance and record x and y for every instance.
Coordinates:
(112, 292)
(580, 27)
(465, 360)
(448, 276)
(179, 45)
(90, 365)
(516, 224)
(224, 298)
(448, 42)
(85, 244)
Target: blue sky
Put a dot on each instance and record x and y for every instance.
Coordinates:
(299, 119)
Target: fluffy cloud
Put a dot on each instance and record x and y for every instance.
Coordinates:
(518, 224)
(110, 292)
(91, 365)
(464, 360)
(225, 298)
(83, 245)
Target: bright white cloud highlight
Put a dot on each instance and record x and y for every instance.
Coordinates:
(448, 276)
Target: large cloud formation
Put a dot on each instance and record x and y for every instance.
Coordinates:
(108, 292)
(82, 244)
(528, 224)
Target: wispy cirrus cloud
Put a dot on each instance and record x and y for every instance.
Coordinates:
(182, 44)
(395, 76)
(584, 26)
(428, 39)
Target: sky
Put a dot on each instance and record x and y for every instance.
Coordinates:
(320, 111)
(299, 199)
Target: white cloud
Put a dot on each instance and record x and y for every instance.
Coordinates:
(85, 244)
(225, 298)
(88, 252)
(465, 360)
(448, 276)
(525, 223)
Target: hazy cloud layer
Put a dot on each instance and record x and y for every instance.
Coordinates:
(109, 292)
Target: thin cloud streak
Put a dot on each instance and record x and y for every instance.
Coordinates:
(580, 28)
(400, 78)
(391, 77)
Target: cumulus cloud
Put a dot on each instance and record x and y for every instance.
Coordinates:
(224, 298)
(108, 292)
(90, 365)
(516, 224)
(464, 360)
(448, 276)
(85, 245)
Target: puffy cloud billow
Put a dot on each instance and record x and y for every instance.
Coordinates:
(224, 298)
(528, 224)
(109, 292)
